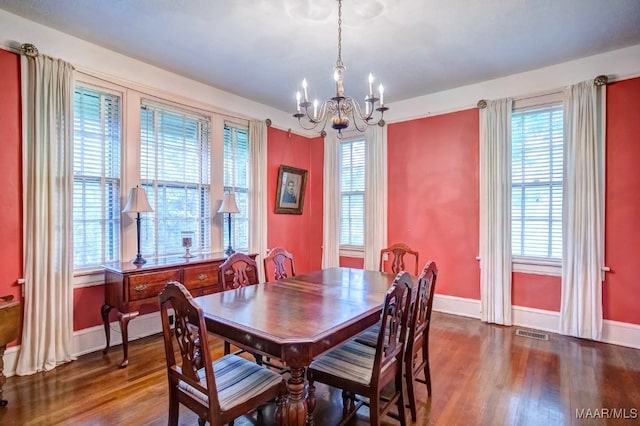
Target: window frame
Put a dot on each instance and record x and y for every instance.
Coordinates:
(87, 274)
(352, 250)
(203, 236)
(530, 264)
(228, 187)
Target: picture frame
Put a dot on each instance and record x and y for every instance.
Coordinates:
(290, 190)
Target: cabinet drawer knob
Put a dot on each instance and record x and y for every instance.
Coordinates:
(141, 287)
(202, 277)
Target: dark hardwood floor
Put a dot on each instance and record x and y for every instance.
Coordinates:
(482, 375)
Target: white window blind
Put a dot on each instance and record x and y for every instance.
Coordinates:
(175, 158)
(537, 150)
(96, 177)
(236, 180)
(352, 173)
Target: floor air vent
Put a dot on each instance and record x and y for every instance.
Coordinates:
(532, 334)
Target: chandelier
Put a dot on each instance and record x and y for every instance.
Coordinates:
(341, 110)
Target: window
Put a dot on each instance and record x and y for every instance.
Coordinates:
(96, 177)
(352, 169)
(175, 158)
(236, 180)
(536, 194)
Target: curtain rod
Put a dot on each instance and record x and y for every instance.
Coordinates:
(600, 80)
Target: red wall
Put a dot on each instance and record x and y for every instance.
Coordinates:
(622, 216)
(11, 166)
(536, 291)
(299, 234)
(433, 202)
(433, 195)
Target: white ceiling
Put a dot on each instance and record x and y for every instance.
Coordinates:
(261, 49)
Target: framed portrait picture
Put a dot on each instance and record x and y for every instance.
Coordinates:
(292, 183)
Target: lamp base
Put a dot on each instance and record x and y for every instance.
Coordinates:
(139, 260)
(229, 251)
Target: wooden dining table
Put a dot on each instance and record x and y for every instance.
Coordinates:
(297, 319)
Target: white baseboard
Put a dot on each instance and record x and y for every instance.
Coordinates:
(456, 306)
(613, 332)
(93, 339)
(621, 333)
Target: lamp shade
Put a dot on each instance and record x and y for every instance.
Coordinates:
(137, 201)
(229, 204)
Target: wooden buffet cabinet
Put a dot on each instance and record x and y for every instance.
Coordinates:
(129, 286)
(9, 327)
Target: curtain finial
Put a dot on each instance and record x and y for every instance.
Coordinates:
(29, 50)
(601, 80)
(482, 103)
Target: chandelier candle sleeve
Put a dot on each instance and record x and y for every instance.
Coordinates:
(304, 87)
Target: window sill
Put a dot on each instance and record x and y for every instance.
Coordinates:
(352, 251)
(88, 278)
(537, 266)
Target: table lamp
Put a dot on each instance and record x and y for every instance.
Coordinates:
(137, 203)
(229, 206)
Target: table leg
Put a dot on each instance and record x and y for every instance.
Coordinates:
(104, 311)
(124, 319)
(296, 409)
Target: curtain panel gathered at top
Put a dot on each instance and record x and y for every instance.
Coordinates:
(258, 191)
(331, 203)
(495, 212)
(47, 152)
(583, 211)
(375, 214)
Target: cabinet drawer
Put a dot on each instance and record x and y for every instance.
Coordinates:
(200, 276)
(142, 286)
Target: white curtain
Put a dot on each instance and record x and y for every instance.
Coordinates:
(331, 203)
(258, 192)
(495, 212)
(47, 153)
(583, 212)
(375, 228)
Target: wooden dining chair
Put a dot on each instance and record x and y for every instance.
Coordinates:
(398, 252)
(239, 270)
(417, 346)
(217, 391)
(416, 358)
(362, 370)
(282, 261)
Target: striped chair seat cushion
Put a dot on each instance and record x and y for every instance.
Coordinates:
(369, 337)
(237, 379)
(351, 360)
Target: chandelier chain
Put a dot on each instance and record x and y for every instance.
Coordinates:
(339, 61)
